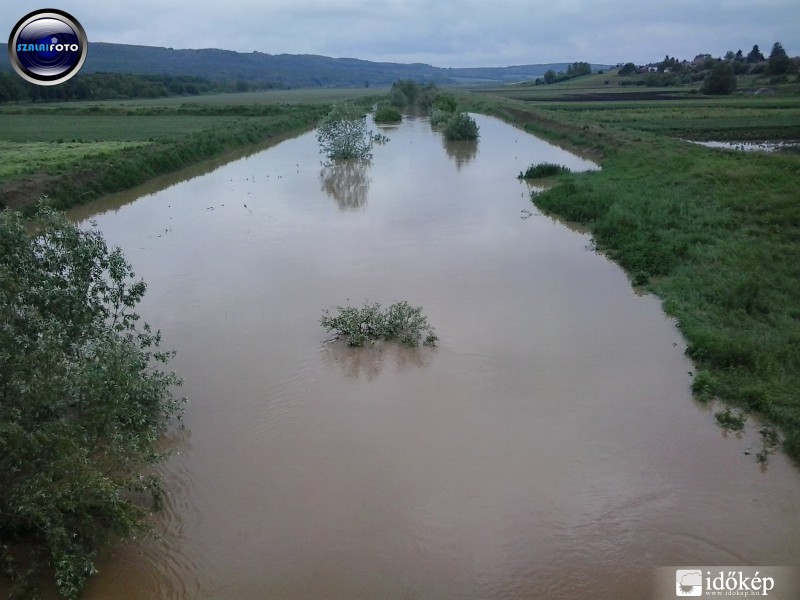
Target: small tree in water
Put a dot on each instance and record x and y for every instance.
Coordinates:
(401, 322)
(343, 134)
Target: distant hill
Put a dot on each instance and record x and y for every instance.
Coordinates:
(291, 70)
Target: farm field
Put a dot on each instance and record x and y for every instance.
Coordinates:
(77, 151)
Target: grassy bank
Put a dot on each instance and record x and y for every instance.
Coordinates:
(77, 152)
(714, 233)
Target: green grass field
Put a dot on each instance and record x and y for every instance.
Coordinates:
(54, 127)
(77, 151)
(20, 159)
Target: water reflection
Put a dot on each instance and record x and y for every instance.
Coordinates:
(461, 151)
(347, 182)
(369, 361)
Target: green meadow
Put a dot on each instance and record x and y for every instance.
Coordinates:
(74, 152)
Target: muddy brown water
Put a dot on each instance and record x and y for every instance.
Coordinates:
(549, 447)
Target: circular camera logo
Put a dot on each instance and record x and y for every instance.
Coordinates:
(47, 47)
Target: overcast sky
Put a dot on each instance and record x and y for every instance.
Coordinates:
(444, 33)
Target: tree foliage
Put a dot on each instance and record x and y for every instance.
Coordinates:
(117, 86)
(409, 93)
(83, 401)
(721, 80)
(343, 133)
(755, 56)
(779, 62)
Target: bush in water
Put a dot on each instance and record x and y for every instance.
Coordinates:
(401, 322)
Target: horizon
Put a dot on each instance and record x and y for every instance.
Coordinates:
(452, 34)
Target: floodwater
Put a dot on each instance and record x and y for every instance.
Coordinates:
(751, 146)
(549, 447)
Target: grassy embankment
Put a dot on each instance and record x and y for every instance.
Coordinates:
(78, 151)
(714, 233)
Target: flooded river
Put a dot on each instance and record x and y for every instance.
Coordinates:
(549, 447)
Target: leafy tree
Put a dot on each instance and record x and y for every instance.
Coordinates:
(628, 69)
(82, 401)
(755, 56)
(11, 89)
(779, 62)
(403, 93)
(549, 76)
(577, 69)
(343, 133)
(721, 80)
(427, 94)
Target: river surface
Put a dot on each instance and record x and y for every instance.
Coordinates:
(549, 447)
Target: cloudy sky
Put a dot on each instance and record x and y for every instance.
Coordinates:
(444, 33)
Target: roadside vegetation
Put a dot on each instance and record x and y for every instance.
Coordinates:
(713, 232)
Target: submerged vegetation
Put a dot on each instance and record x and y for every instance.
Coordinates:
(543, 169)
(461, 127)
(400, 322)
(387, 114)
(343, 134)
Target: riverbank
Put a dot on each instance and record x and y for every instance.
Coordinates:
(74, 153)
(714, 233)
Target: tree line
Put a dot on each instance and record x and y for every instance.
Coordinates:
(575, 69)
(119, 86)
(718, 75)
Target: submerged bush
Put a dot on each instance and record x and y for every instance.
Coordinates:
(439, 117)
(461, 126)
(727, 420)
(387, 114)
(543, 169)
(401, 322)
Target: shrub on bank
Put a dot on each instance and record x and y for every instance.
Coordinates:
(543, 169)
